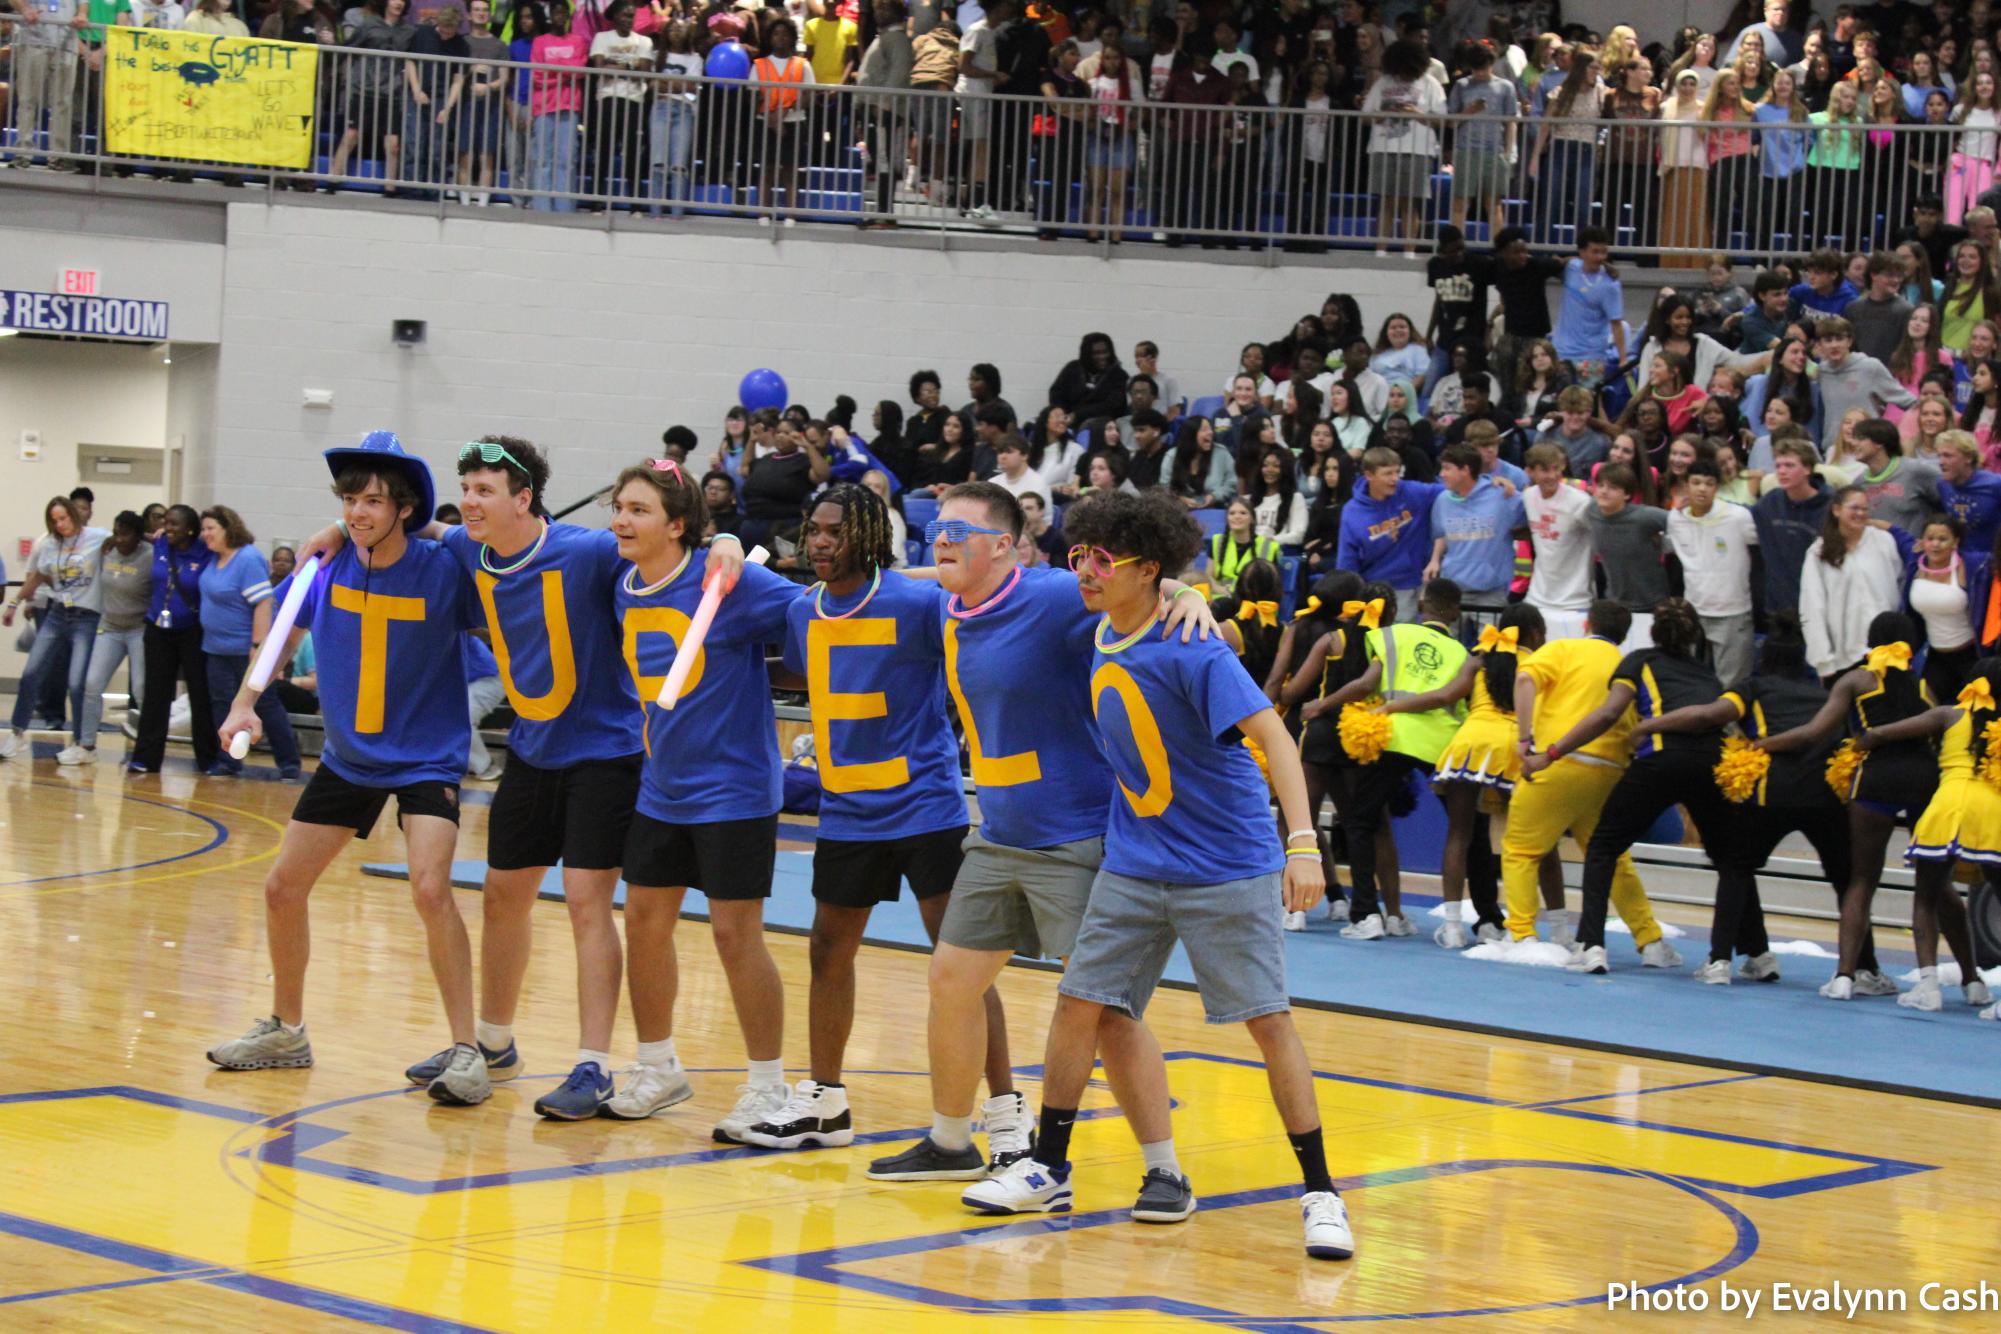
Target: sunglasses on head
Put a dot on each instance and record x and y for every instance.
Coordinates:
(488, 452)
(1096, 561)
(955, 531)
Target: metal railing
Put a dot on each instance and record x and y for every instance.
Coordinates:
(564, 139)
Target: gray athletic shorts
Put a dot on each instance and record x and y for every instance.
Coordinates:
(1233, 933)
(1027, 900)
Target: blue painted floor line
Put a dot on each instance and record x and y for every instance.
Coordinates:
(1782, 1027)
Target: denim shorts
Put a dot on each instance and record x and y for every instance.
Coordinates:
(1109, 149)
(1233, 933)
(1029, 901)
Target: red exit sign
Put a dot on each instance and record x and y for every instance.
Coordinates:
(79, 282)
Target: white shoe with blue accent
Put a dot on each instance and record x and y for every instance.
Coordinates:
(1026, 1187)
(1328, 1236)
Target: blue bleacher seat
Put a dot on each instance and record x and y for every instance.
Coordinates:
(1206, 406)
(915, 553)
(1211, 521)
(1289, 571)
(918, 510)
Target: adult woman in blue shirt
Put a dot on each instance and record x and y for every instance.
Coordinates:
(173, 646)
(232, 585)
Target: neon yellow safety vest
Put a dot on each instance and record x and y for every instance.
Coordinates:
(1227, 560)
(1417, 659)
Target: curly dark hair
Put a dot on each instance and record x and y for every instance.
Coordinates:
(866, 534)
(1678, 630)
(1152, 525)
(529, 470)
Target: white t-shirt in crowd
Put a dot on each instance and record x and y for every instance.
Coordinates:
(1280, 392)
(1715, 555)
(633, 52)
(684, 63)
(1560, 530)
(1159, 71)
(1029, 481)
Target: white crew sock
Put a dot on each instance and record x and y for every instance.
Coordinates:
(291, 1030)
(767, 1074)
(660, 1056)
(1928, 975)
(1161, 1154)
(494, 1037)
(602, 1058)
(951, 1132)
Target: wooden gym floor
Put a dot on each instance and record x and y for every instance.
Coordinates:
(1494, 1183)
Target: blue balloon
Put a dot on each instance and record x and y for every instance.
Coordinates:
(762, 389)
(728, 61)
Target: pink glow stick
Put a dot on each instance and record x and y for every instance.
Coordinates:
(698, 630)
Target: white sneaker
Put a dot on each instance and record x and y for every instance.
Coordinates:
(1337, 908)
(1328, 1236)
(1589, 959)
(1295, 921)
(1399, 925)
(269, 1045)
(1369, 928)
(464, 1081)
(1926, 995)
(1713, 973)
(489, 774)
(1660, 954)
(984, 215)
(1762, 968)
(1010, 1131)
(1992, 1013)
(1977, 993)
(70, 756)
(1026, 1187)
(1838, 988)
(791, 222)
(764, 221)
(753, 1105)
(10, 743)
(1489, 934)
(1869, 982)
(647, 1092)
(1450, 935)
(815, 1116)
(1554, 926)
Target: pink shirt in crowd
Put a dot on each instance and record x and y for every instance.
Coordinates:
(549, 92)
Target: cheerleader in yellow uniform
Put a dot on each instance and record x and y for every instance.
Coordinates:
(1961, 823)
(1482, 757)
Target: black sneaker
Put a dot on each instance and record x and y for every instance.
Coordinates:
(925, 1161)
(1163, 1198)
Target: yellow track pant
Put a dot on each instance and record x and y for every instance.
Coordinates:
(1565, 798)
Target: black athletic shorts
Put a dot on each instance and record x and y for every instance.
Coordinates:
(860, 874)
(725, 859)
(577, 816)
(331, 800)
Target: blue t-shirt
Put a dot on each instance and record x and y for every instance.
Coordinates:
(889, 764)
(177, 583)
(1192, 809)
(401, 625)
(714, 755)
(558, 647)
(1021, 677)
(229, 596)
(1591, 302)
(1479, 536)
(479, 660)
(1831, 304)
(1977, 502)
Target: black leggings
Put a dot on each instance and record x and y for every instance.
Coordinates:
(1649, 787)
(171, 654)
(1365, 808)
(1752, 832)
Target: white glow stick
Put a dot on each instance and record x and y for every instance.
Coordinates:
(698, 630)
(266, 665)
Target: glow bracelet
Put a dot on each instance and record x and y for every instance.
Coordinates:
(698, 630)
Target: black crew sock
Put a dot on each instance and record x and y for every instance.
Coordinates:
(1312, 1155)
(1052, 1145)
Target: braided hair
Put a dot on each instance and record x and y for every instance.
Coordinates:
(1258, 581)
(866, 533)
(1331, 589)
(1678, 630)
(1499, 668)
(1990, 670)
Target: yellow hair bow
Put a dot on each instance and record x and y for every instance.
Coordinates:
(1978, 694)
(1371, 612)
(1264, 613)
(1312, 605)
(1887, 656)
(1493, 639)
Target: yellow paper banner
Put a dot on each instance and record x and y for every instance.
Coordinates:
(204, 98)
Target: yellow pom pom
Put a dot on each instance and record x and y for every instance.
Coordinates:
(1364, 732)
(1258, 754)
(1741, 769)
(1841, 767)
(1990, 763)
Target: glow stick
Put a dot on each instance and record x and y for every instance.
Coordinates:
(266, 665)
(698, 630)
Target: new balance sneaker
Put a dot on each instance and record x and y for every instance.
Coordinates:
(501, 1066)
(1977, 993)
(1554, 926)
(1337, 908)
(814, 1117)
(1660, 954)
(578, 1097)
(1010, 1131)
(1398, 925)
(464, 1081)
(1164, 1197)
(269, 1045)
(1870, 982)
(1926, 995)
(1369, 928)
(647, 1092)
(1294, 921)
(1489, 934)
(1588, 959)
(1760, 968)
(1451, 934)
(1714, 973)
(925, 1161)
(1026, 1187)
(1328, 1236)
(71, 756)
(1838, 988)
(755, 1105)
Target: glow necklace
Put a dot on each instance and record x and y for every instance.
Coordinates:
(651, 589)
(820, 591)
(956, 609)
(1129, 640)
(486, 554)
